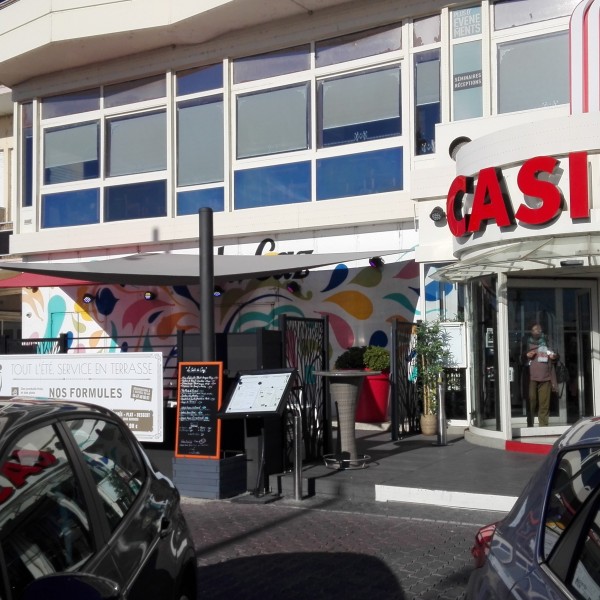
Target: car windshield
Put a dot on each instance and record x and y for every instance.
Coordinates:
(576, 477)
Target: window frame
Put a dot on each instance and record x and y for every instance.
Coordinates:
(104, 116)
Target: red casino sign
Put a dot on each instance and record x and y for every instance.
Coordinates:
(493, 204)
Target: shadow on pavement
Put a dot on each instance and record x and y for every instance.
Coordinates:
(299, 575)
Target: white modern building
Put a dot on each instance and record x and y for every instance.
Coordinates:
(456, 137)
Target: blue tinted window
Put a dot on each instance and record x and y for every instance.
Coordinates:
(188, 203)
(136, 201)
(268, 186)
(27, 153)
(135, 91)
(358, 45)
(427, 100)
(200, 80)
(70, 104)
(65, 209)
(272, 64)
(359, 174)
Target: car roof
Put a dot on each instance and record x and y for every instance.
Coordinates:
(16, 411)
(585, 432)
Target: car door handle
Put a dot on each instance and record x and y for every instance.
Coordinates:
(165, 527)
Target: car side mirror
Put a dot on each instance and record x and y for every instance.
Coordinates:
(75, 586)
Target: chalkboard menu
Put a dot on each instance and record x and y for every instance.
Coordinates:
(199, 400)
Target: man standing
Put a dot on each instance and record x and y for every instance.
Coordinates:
(540, 357)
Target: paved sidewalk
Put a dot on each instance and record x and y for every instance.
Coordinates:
(411, 470)
(417, 470)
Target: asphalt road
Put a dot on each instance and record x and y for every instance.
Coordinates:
(317, 548)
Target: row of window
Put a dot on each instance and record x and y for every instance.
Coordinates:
(314, 122)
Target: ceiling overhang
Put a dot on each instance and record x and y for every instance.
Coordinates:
(566, 255)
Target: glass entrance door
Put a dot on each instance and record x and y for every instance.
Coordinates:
(564, 313)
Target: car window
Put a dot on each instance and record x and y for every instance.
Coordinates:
(44, 523)
(577, 475)
(585, 583)
(113, 463)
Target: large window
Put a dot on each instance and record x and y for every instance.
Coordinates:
(427, 82)
(427, 100)
(273, 121)
(354, 148)
(71, 153)
(27, 154)
(512, 13)
(200, 142)
(467, 69)
(533, 72)
(131, 155)
(323, 120)
(137, 144)
(361, 107)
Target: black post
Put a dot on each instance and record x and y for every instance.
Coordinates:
(207, 321)
(395, 420)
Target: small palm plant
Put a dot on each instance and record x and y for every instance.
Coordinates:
(433, 355)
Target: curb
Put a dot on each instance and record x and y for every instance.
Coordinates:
(531, 448)
(386, 493)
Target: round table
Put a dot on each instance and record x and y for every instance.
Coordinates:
(344, 387)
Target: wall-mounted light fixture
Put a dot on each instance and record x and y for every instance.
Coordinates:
(148, 295)
(437, 214)
(87, 298)
(376, 262)
(456, 144)
(293, 287)
(218, 291)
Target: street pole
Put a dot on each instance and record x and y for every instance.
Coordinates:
(207, 318)
(442, 437)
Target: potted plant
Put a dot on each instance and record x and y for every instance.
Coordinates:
(373, 402)
(351, 359)
(376, 358)
(433, 355)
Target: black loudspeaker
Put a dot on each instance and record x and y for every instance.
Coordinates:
(260, 349)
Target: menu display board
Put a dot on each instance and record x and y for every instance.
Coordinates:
(259, 393)
(198, 433)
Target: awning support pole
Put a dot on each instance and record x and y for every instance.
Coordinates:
(207, 313)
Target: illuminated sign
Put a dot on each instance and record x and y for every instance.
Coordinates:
(491, 202)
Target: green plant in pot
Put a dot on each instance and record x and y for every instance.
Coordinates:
(433, 355)
(377, 358)
(351, 359)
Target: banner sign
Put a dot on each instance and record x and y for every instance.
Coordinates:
(128, 383)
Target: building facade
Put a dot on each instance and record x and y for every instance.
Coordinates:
(318, 126)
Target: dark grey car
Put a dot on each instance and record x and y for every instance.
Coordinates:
(83, 513)
(548, 546)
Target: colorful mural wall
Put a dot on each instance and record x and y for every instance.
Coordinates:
(360, 304)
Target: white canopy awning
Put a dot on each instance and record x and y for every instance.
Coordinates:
(184, 269)
(571, 254)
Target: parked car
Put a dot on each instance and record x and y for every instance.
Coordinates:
(83, 513)
(548, 545)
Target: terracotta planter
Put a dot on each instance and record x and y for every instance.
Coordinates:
(373, 400)
(429, 424)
